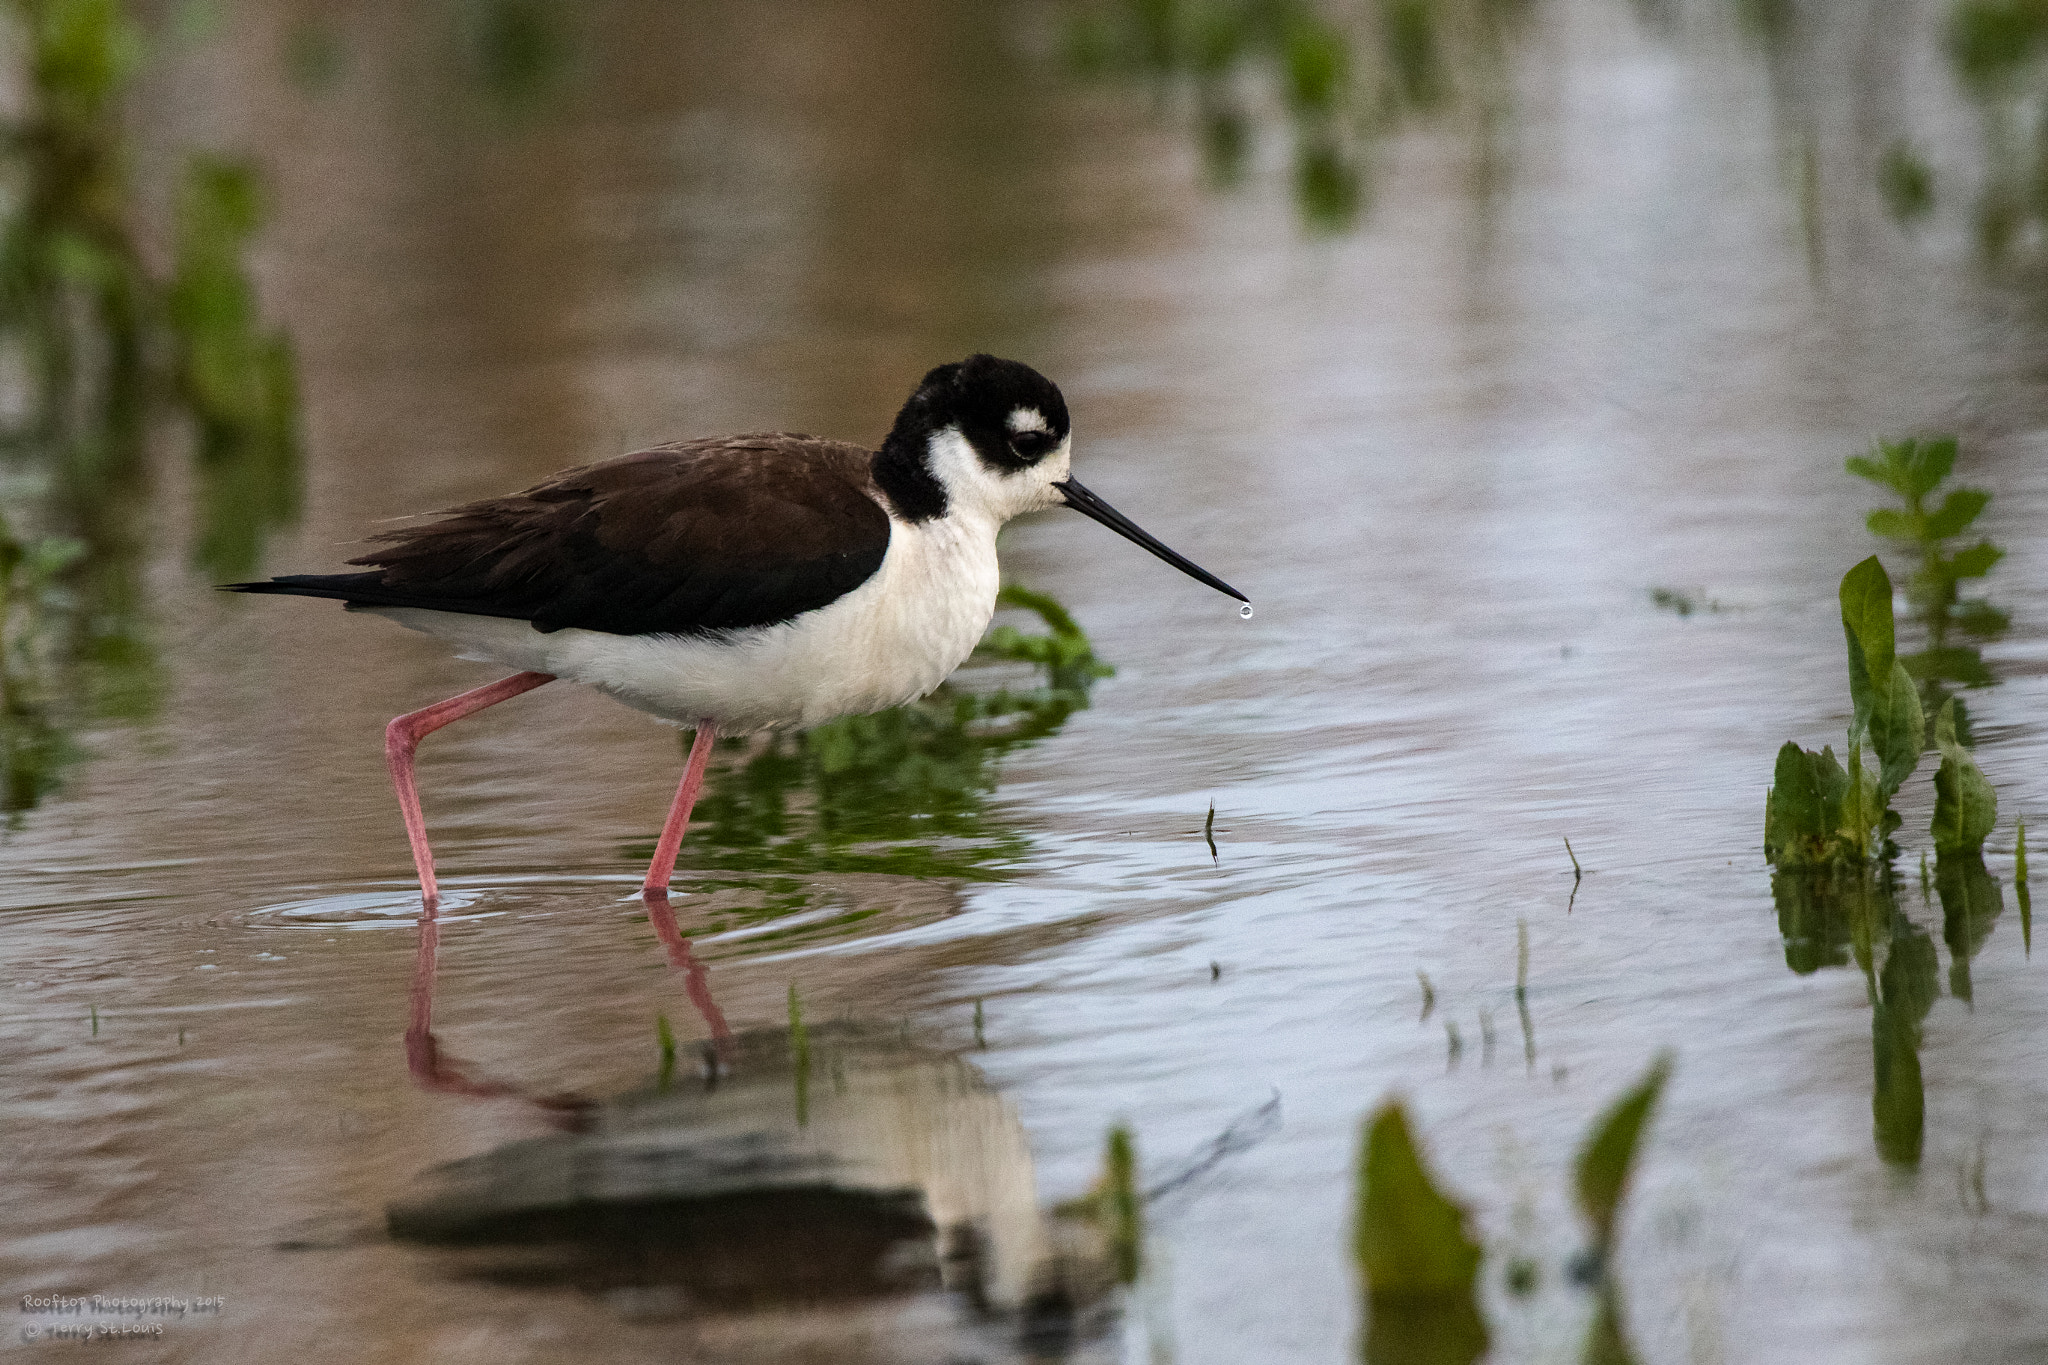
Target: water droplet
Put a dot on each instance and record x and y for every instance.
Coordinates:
(1245, 611)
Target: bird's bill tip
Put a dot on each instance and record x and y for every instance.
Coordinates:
(1088, 504)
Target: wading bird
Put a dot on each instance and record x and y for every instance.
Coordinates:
(738, 583)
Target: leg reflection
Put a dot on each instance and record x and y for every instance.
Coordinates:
(434, 1070)
(696, 980)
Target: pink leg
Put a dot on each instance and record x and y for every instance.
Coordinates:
(664, 865)
(402, 739)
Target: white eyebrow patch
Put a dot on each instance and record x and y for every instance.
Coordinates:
(1027, 419)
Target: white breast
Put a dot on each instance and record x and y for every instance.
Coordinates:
(889, 641)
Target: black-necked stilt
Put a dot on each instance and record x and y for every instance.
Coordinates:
(739, 583)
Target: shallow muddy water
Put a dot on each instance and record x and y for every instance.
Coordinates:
(1449, 454)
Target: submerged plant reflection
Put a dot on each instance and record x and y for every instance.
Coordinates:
(1339, 77)
(903, 792)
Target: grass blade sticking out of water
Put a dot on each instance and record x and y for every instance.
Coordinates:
(800, 1056)
(1116, 1206)
(1522, 993)
(1124, 1216)
(1209, 831)
(667, 1039)
(1419, 1265)
(2019, 887)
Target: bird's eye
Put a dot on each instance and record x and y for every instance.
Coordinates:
(1033, 445)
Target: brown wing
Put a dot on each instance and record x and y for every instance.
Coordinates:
(700, 536)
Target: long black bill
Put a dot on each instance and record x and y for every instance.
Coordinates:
(1085, 502)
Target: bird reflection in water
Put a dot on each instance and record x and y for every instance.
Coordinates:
(908, 1176)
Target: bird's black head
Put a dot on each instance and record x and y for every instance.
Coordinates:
(980, 431)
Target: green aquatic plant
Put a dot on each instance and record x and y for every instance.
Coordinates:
(1419, 1262)
(1821, 812)
(800, 1056)
(2020, 893)
(1115, 1206)
(1416, 1258)
(1601, 1177)
(1606, 1161)
(1965, 806)
(665, 1039)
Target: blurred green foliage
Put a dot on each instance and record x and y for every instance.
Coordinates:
(1338, 78)
(1906, 182)
(102, 341)
(1419, 1262)
(1997, 49)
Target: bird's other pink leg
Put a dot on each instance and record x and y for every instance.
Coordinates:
(664, 865)
(402, 739)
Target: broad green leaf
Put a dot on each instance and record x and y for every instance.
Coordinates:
(1794, 810)
(1866, 596)
(1956, 512)
(1409, 1239)
(1892, 524)
(1862, 807)
(1608, 1158)
(1803, 813)
(1965, 806)
(1898, 730)
(1929, 462)
(1974, 562)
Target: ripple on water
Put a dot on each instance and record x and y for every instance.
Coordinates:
(389, 907)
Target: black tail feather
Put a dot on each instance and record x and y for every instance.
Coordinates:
(345, 587)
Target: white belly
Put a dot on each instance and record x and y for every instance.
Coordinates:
(889, 641)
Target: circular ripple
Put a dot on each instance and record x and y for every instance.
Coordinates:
(396, 907)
